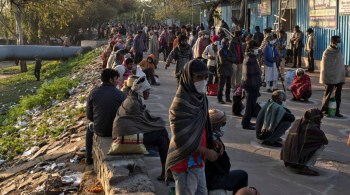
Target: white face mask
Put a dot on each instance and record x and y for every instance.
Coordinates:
(272, 42)
(338, 45)
(222, 130)
(206, 36)
(256, 52)
(201, 86)
(216, 43)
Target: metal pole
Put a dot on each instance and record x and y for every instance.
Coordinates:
(192, 14)
(279, 14)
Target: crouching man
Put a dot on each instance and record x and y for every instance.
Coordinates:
(304, 143)
(273, 120)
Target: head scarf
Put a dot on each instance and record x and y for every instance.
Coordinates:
(140, 85)
(188, 116)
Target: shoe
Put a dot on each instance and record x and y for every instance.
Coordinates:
(306, 100)
(339, 115)
(248, 127)
(269, 91)
(238, 115)
(273, 144)
(252, 124)
(307, 171)
(229, 101)
(89, 161)
(221, 102)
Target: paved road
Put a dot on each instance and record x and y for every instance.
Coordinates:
(266, 171)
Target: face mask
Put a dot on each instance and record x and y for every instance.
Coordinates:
(201, 86)
(256, 52)
(206, 36)
(338, 45)
(284, 103)
(222, 131)
(272, 42)
(216, 43)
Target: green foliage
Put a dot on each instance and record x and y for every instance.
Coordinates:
(14, 141)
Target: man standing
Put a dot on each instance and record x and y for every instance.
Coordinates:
(101, 108)
(225, 70)
(138, 46)
(310, 48)
(332, 74)
(237, 50)
(258, 36)
(192, 133)
(164, 41)
(297, 45)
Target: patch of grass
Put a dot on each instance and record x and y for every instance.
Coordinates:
(13, 141)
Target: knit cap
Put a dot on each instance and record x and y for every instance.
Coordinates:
(217, 116)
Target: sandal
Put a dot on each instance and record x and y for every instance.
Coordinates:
(307, 171)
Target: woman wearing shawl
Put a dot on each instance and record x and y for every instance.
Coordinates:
(273, 120)
(304, 143)
(301, 86)
(191, 131)
(132, 117)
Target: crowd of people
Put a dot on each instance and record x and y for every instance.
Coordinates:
(194, 157)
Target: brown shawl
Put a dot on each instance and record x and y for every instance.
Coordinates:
(304, 138)
(133, 117)
(188, 116)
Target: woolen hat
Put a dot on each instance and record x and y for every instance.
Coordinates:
(217, 116)
(199, 68)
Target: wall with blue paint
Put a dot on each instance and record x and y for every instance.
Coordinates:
(302, 19)
(323, 36)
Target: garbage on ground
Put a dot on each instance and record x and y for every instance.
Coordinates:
(95, 189)
(32, 150)
(74, 160)
(74, 179)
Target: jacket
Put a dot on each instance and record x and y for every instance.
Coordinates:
(209, 52)
(270, 55)
(251, 73)
(237, 53)
(101, 108)
(225, 63)
(310, 42)
(181, 55)
(138, 44)
(258, 37)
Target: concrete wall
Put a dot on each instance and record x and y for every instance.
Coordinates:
(93, 43)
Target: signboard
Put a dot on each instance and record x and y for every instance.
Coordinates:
(323, 14)
(344, 7)
(264, 8)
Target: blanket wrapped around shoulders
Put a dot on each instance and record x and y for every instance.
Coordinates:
(272, 114)
(132, 117)
(188, 116)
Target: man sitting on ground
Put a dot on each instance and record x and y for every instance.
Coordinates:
(273, 120)
(217, 173)
(133, 118)
(304, 143)
(101, 108)
(301, 86)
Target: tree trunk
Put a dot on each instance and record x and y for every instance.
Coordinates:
(241, 20)
(211, 13)
(20, 37)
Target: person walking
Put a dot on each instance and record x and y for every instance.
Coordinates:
(138, 46)
(332, 74)
(192, 135)
(37, 68)
(310, 48)
(258, 36)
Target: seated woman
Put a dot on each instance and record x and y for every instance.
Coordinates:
(132, 118)
(217, 173)
(301, 86)
(148, 65)
(304, 143)
(273, 120)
